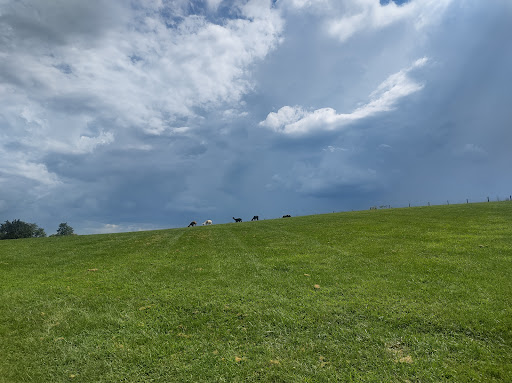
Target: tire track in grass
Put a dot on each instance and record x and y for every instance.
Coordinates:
(240, 258)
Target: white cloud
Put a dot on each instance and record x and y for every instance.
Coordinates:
(297, 121)
(299, 4)
(368, 14)
(213, 4)
(107, 228)
(345, 19)
(88, 144)
(20, 165)
(231, 114)
(69, 87)
(143, 68)
(285, 116)
(471, 150)
(333, 149)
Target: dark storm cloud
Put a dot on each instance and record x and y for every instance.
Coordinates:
(435, 140)
(454, 135)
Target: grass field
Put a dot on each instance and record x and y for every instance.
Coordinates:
(399, 295)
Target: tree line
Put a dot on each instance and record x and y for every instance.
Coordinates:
(18, 229)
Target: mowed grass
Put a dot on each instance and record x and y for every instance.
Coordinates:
(400, 295)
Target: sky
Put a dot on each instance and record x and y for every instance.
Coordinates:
(135, 115)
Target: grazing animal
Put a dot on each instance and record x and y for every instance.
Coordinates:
(287, 216)
(237, 219)
(207, 222)
(193, 223)
(255, 218)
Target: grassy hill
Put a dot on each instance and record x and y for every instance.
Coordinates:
(399, 295)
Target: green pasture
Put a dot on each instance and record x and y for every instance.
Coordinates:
(401, 295)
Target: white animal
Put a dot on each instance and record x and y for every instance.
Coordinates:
(207, 222)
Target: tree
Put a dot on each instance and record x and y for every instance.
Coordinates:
(19, 229)
(38, 231)
(64, 229)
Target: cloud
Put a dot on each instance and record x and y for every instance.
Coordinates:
(285, 116)
(333, 173)
(343, 20)
(471, 150)
(213, 4)
(88, 144)
(105, 228)
(329, 181)
(81, 76)
(124, 115)
(20, 165)
(140, 66)
(298, 121)
(190, 204)
(307, 4)
(333, 149)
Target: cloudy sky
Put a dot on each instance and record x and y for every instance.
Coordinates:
(121, 115)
